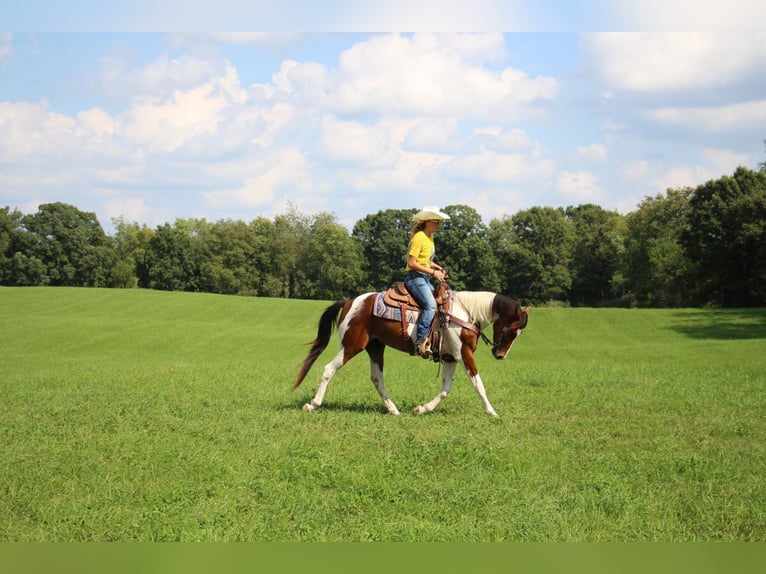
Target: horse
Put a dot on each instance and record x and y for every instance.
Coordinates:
(361, 329)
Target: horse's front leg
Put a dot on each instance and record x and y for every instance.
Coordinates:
(448, 375)
(478, 386)
(473, 374)
(375, 351)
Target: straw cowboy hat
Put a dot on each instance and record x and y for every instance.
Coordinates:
(429, 212)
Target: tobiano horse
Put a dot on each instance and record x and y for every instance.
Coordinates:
(361, 328)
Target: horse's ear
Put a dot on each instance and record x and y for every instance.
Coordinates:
(527, 309)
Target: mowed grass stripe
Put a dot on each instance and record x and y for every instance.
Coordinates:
(142, 415)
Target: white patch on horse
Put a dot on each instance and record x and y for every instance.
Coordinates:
(478, 305)
(356, 306)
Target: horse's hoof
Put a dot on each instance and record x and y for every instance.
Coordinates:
(418, 410)
(308, 407)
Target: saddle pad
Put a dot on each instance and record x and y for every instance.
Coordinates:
(380, 309)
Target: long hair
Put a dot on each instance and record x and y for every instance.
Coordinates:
(417, 226)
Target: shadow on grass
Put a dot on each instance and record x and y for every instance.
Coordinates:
(721, 324)
(339, 407)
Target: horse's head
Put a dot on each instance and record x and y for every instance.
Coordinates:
(511, 320)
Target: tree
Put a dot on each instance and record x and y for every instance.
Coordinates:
(263, 258)
(464, 249)
(655, 266)
(534, 249)
(597, 248)
(173, 263)
(10, 221)
(291, 232)
(333, 263)
(725, 239)
(131, 245)
(383, 238)
(70, 245)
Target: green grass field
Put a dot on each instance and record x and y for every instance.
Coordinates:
(131, 415)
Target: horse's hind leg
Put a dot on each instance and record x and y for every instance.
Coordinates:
(329, 371)
(375, 350)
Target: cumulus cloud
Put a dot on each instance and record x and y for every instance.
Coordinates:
(117, 80)
(692, 15)
(439, 117)
(580, 186)
(661, 62)
(596, 153)
(422, 75)
(712, 119)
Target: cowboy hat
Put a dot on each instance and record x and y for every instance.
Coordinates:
(430, 212)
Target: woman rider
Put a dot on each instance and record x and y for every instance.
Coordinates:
(420, 266)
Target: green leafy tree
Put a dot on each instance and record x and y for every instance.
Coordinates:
(290, 244)
(725, 239)
(173, 258)
(227, 270)
(70, 244)
(131, 245)
(383, 238)
(534, 249)
(10, 221)
(333, 262)
(655, 266)
(463, 248)
(516, 265)
(264, 254)
(596, 252)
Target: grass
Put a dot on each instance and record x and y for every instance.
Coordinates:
(137, 415)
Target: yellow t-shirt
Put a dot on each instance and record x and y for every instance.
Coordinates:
(422, 248)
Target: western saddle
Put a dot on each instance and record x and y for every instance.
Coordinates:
(398, 296)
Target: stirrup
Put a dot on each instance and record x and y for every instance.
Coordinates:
(423, 349)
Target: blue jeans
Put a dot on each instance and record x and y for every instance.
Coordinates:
(420, 288)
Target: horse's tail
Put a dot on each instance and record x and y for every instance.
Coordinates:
(326, 322)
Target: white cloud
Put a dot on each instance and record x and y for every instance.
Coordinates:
(286, 170)
(158, 78)
(433, 135)
(441, 118)
(495, 168)
(356, 143)
(580, 186)
(505, 140)
(715, 163)
(596, 153)
(662, 62)
(688, 15)
(424, 75)
(31, 132)
(131, 208)
(712, 119)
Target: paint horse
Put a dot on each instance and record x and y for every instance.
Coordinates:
(360, 328)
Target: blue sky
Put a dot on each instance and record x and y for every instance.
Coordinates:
(153, 126)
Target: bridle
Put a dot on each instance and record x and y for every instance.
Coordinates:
(496, 343)
(499, 340)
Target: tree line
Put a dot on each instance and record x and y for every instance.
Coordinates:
(703, 246)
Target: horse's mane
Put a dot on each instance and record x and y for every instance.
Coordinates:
(478, 305)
